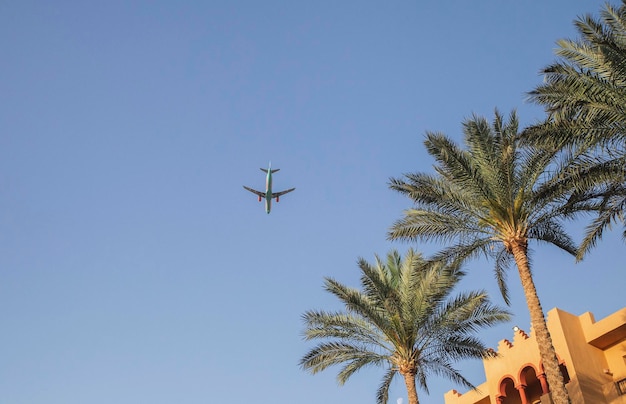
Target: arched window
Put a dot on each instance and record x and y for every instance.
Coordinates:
(532, 385)
(508, 392)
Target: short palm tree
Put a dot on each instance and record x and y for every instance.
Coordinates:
(584, 93)
(488, 199)
(404, 319)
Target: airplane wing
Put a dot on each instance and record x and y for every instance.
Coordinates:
(254, 191)
(281, 193)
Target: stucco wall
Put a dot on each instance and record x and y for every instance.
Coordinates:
(584, 362)
(593, 352)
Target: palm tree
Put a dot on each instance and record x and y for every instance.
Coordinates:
(488, 199)
(584, 93)
(404, 319)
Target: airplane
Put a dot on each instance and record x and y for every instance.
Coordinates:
(268, 194)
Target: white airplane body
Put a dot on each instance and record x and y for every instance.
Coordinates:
(268, 195)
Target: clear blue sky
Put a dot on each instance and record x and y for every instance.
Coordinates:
(134, 268)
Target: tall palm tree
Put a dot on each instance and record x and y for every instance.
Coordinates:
(488, 199)
(584, 93)
(404, 319)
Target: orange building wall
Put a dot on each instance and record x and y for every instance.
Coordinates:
(594, 354)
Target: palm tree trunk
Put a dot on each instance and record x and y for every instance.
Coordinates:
(409, 380)
(556, 383)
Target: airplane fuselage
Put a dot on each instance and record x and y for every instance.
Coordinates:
(268, 191)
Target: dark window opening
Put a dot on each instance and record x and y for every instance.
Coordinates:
(621, 387)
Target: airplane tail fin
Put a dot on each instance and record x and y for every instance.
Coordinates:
(273, 171)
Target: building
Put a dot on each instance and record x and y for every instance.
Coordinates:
(592, 355)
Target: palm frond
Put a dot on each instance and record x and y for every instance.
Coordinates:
(332, 353)
(608, 216)
(502, 262)
(382, 395)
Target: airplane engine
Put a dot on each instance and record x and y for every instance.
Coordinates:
(259, 198)
(277, 198)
